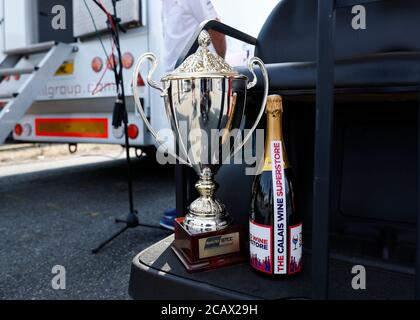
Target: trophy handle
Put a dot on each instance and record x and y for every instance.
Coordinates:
(255, 61)
(152, 58)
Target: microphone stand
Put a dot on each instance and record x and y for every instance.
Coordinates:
(120, 116)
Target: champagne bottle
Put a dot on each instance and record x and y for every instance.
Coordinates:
(275, 225)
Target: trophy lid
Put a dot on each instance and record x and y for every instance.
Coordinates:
(203, 63)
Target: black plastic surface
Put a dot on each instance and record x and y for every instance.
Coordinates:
(157, 274)
(289, 34)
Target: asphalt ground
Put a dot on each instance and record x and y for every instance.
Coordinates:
(54, 211)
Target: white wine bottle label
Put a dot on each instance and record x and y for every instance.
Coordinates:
(279, 204)
(260, 244)
(295, 249)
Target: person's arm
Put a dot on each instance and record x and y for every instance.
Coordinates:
(204, 10)
(219, 42)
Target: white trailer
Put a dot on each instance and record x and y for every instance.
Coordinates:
(57, 85)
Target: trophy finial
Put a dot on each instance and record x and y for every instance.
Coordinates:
(203, 62)
(204, 39)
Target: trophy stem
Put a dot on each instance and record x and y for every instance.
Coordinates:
(206, 214)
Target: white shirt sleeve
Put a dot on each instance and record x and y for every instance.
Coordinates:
(203, 10)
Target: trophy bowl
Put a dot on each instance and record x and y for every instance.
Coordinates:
(205, 101)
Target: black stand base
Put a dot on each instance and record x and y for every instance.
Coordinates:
(131, 222)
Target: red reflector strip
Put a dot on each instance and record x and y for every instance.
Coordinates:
(72, 127)
(18, 130)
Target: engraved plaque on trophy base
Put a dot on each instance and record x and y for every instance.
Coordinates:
(209, 250)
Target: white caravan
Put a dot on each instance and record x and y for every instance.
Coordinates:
(57, 84)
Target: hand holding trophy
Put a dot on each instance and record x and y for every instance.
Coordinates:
(205, 100)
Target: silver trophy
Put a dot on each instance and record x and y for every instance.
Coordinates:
(202, 96)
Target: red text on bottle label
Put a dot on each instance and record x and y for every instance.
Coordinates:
(280, 214)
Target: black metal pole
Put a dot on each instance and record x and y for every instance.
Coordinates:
(125, 118)
(417, 288)
(103, 244)
(132, 221)
(323, 143)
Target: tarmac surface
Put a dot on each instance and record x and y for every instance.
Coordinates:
(54, 210)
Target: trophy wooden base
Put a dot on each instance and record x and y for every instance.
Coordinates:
(210, 250)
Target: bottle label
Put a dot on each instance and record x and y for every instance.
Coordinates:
(295, 249)
(260, 243)
(279, 204)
